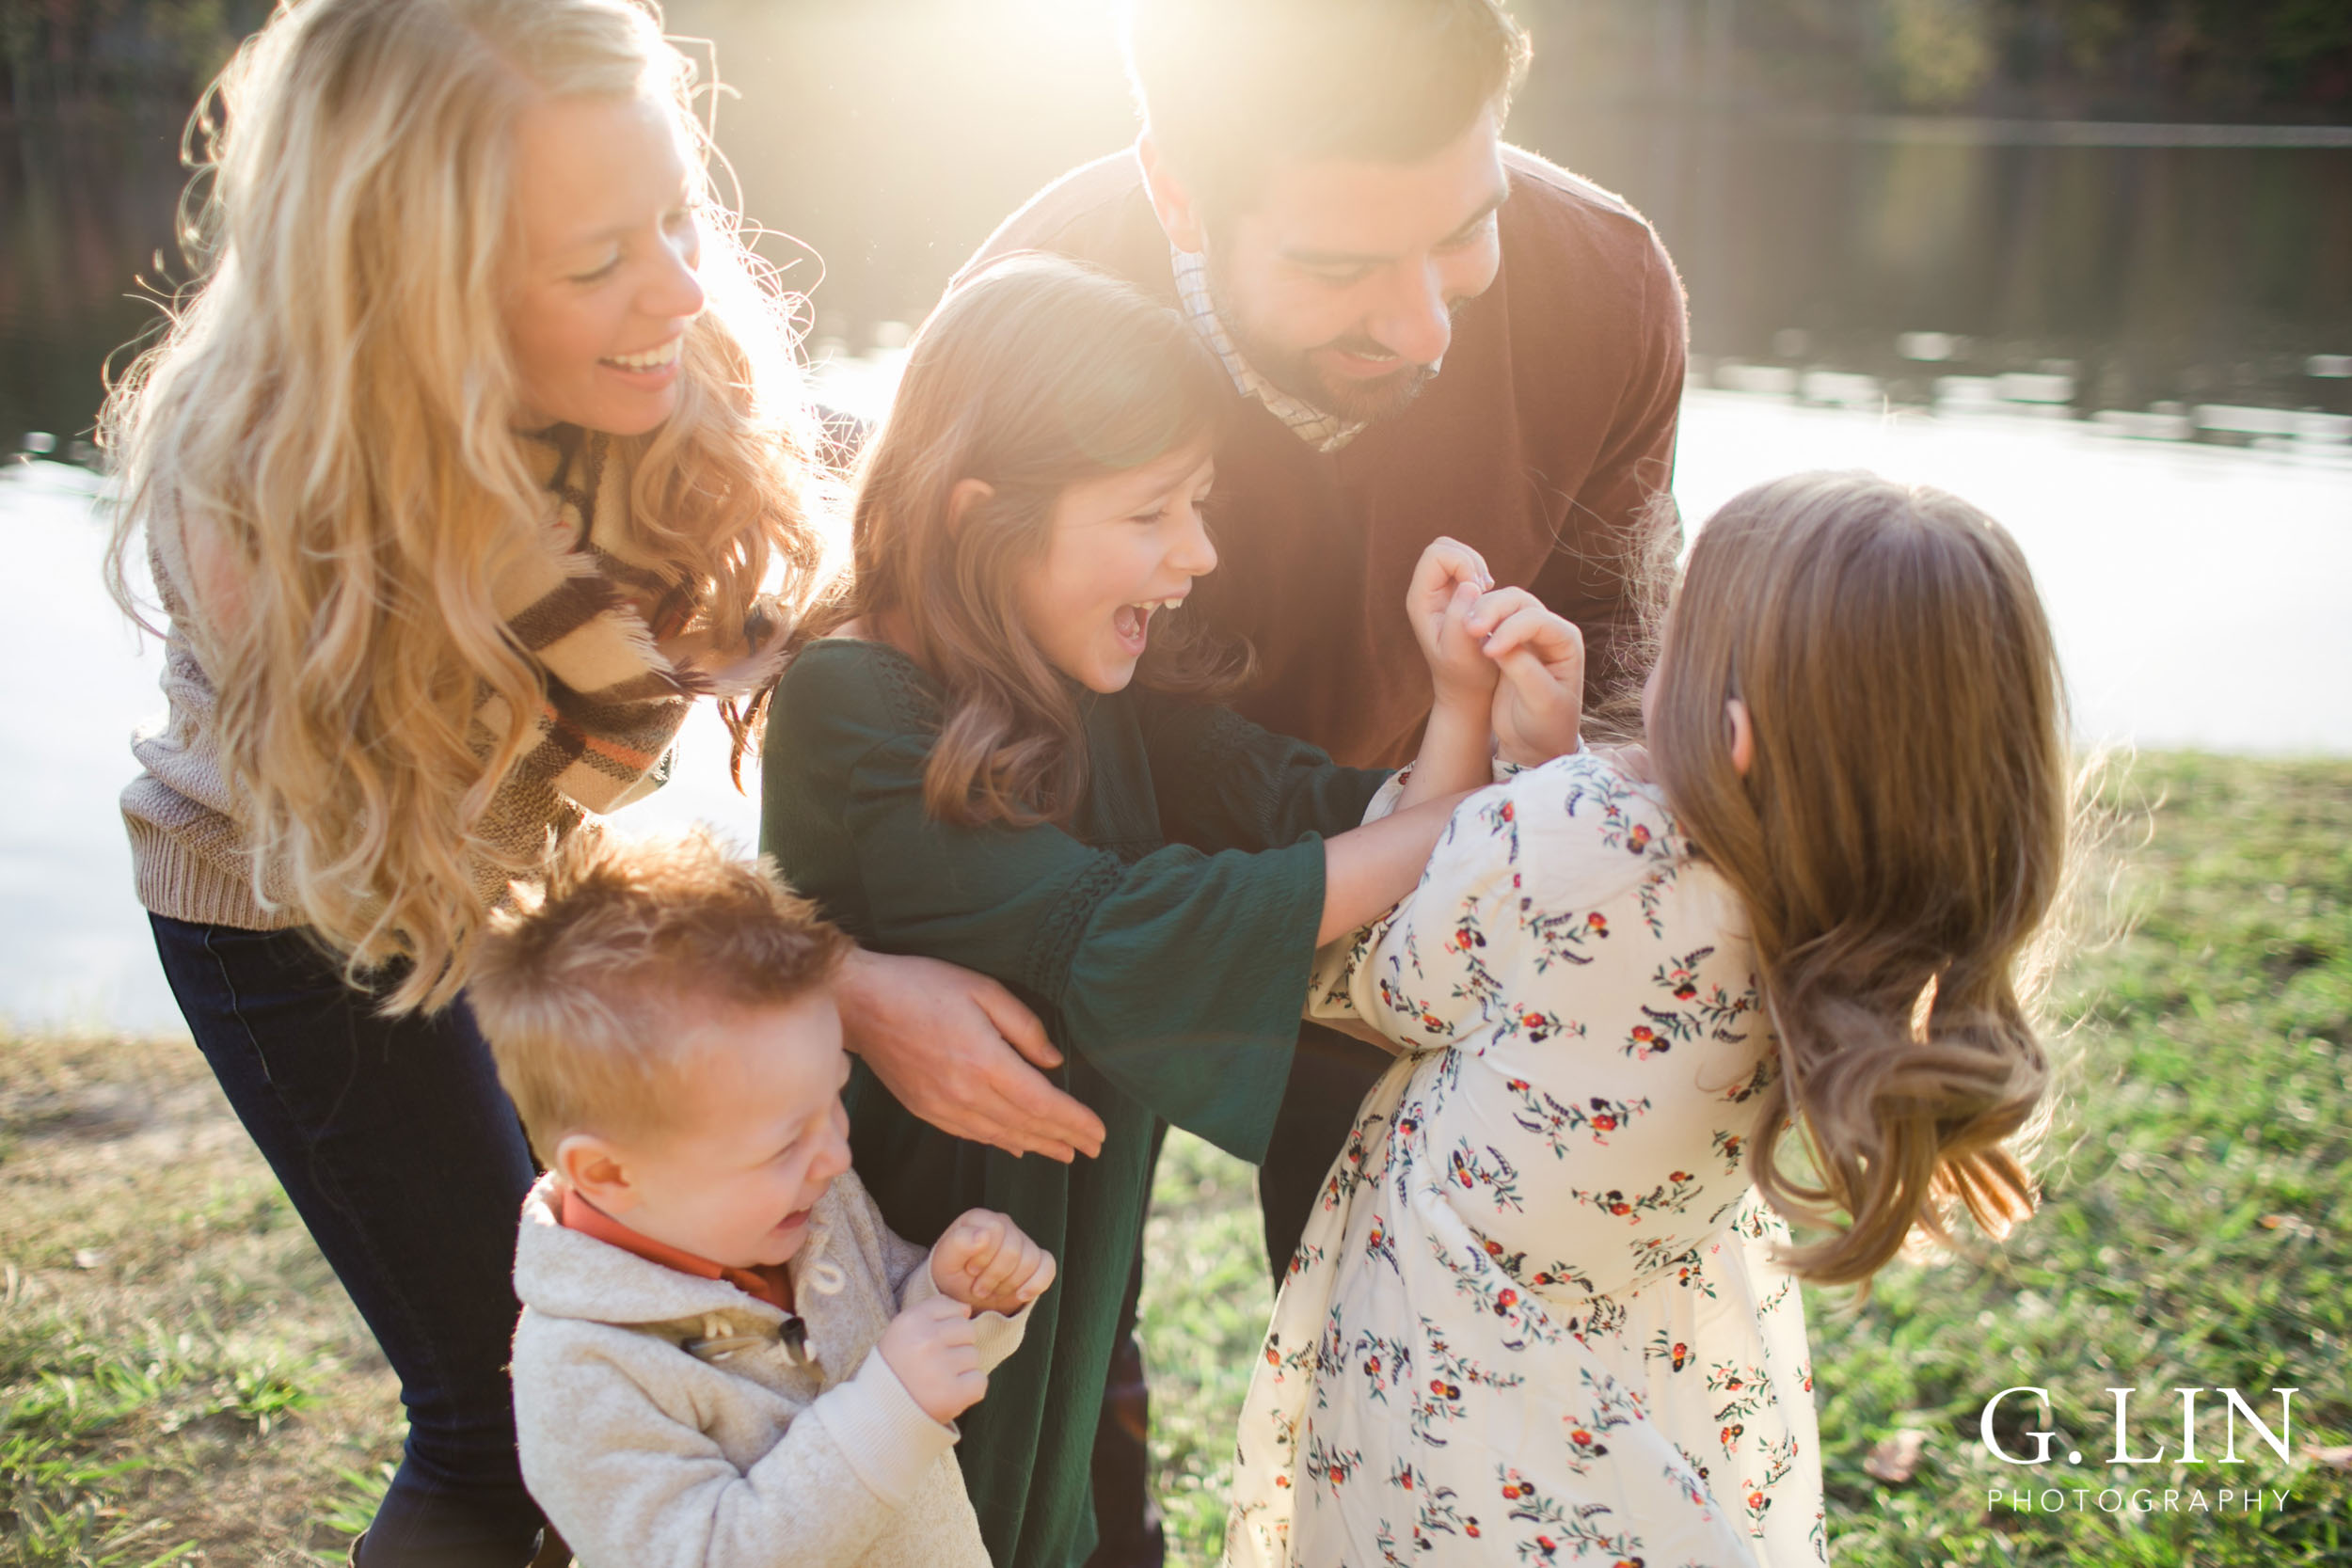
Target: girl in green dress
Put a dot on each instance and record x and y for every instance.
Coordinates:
(1006, 755)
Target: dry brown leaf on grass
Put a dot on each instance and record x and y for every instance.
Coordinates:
(1895, 1460)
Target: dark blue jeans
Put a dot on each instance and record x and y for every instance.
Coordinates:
(403, 1157)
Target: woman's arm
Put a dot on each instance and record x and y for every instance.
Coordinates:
(1225, 782)
(1178, 975)
(950, 1045)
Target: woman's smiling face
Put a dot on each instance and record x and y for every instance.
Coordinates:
(601, 287)
(1125, 548)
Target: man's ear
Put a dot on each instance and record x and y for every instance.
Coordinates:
(594, 1168)
(967, 494)
(1742, 735)
(1179, 214)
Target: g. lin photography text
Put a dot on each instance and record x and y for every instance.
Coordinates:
(2226, 1500)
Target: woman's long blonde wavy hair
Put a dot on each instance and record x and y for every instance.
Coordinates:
(1897, 843)
(1033, 375)
(334, 400)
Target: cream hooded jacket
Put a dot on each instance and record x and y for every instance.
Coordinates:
(667, 1422)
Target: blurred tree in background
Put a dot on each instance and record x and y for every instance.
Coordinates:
(2277, 60)
(2146, 60)
(55, 51)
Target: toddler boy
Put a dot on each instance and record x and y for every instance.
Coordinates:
(725, 1358)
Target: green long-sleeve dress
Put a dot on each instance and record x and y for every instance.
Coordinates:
(1165, 937)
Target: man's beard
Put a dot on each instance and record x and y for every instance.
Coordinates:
(1351, 400)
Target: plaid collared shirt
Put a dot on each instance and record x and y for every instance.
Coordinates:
(1324, 432)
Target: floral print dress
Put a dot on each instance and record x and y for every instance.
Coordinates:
(1535, 1319)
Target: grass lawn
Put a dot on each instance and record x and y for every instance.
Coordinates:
(181, 1380)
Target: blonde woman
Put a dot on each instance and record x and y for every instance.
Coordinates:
(461, 476)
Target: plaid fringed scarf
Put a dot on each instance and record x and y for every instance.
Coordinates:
(626, 646)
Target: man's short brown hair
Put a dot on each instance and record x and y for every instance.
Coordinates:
(1228, 87)
(586, 988)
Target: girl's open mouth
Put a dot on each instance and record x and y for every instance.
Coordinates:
(1133, 622)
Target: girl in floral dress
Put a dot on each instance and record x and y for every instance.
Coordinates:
(1549, 1310)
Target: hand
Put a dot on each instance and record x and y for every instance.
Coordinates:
(986, 1262)
(949, 1044)
(1633, 760)
(1539, 701)
(934, 1348)
(1446, 583)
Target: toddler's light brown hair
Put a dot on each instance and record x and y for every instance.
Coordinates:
(586, 988)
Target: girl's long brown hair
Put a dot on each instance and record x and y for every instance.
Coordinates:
(1896, 843)
(1034, 375)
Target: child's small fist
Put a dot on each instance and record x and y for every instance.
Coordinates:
(1539, 703)
(932, 1348)
(1447, 582)
(986, 1262)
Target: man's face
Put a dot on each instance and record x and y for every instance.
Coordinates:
(1341, 282)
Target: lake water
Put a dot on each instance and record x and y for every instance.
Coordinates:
(2146, 270)
(2133, 344)
(2198, 593)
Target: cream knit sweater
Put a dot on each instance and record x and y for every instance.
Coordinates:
(648, 1454)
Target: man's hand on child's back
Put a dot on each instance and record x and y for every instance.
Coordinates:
(934, 1350)
(988, 1264)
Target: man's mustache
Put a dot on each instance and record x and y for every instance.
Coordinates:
(1372, 348)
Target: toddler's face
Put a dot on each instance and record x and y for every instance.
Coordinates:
(754, 1136)
(1123, 547)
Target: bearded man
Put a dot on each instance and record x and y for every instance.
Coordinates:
(1428, 331)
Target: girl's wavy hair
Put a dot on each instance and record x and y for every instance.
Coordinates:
(1896, 845)
(1033, 375)
(334, 397)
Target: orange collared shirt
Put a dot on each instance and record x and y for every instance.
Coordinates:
(769, 1284)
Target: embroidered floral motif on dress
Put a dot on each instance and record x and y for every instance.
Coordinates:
(1536, 1319)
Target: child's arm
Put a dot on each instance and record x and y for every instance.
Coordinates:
(629, 1475)
(983, 1262)
(1513, 886)
(1456, 742)
(990, 1264)
(1178, 975)
(1226, 783)
(1369, 868)
(1539, 701)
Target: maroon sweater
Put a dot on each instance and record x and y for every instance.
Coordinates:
(1550, 428)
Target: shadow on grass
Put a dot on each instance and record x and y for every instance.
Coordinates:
(179, 1377)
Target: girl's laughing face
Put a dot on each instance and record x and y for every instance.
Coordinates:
(1124, 550)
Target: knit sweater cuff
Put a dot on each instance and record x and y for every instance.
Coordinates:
(886, 1436)
(994, 1334)
(997, 1336)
